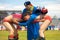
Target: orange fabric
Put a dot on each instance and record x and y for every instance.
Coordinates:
(47, 17)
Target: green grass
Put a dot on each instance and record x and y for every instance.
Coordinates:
(50, 35)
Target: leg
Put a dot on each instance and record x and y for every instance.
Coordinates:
(42, 29)
(29, 35)
(11, 30)
(15, 33)
(36, 30)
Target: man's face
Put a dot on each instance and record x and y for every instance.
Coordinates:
(28, 7)
(27, 17)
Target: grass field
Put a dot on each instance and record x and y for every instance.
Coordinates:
(50, 35)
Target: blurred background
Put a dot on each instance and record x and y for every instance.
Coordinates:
(17, 6)
(8, 7)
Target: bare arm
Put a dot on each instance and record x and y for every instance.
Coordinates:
(16, 21)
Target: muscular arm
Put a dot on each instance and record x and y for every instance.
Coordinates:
(16, 18)
(46, 17)
(16, 21)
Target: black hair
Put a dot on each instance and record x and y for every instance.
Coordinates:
(27, 3)
(26, 13)
(38, 11)
(44, 13)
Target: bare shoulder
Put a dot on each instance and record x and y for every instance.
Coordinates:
(8, 17)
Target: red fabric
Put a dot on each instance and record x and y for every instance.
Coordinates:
(18, 27)
(6, 20)
(48, 18)
(35, 21)
(16, 36)
(17, 16)
(14, 16)
(11, 36)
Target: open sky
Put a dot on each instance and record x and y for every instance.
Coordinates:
(53, 6)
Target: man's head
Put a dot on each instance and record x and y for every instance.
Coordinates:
(26, 16)
(44, 11)
(27, 4)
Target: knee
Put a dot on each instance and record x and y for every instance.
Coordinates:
(41, 31)
(4, 23)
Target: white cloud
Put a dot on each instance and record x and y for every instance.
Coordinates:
(19, 7)
(53, 6)
(1, 7)
(53, 9)
(11, 7)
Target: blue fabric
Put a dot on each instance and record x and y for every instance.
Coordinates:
(33, 31)
(32, 28)
(31, 19)
(34, 11)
